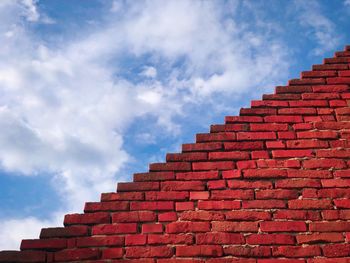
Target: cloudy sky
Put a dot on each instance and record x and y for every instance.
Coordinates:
(93, 91)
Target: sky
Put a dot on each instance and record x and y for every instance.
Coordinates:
(93, 91)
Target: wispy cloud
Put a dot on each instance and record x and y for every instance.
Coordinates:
(318, 25)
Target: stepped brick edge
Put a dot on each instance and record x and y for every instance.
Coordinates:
(268, 186)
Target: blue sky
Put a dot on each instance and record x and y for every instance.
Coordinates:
(93, 91)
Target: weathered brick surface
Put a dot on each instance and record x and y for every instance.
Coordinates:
(271, 185)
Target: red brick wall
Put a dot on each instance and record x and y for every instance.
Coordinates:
(268, 186)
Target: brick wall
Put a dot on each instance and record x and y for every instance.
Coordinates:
(269, 186)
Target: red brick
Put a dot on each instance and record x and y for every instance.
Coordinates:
(297, 111)
(167, 195)
(320, 238)
(298, 183)
(292, 153)
(100, 241)
(292, 89)
(268, 103)
(342, 203)
(336, 250)
(201, 216)
(153, 205)
(270, 239)
(248, 136)
(204, 195)
(245, 215)
(264, 173)
(155, 176)
(226, 226)
(110, 253)
(173, 166)
(71, 231)
(310, 204)
(152, 228)
(76, 254)
(232, 194)
(105, 197)
(309, 173)
(219, 238)
(283, 226)
(218, 184)
(336, 60)
(187, 227)
(229, 174)
(248, 251)
(22, 256)
(334, 193)
(317, 135)
(120, 228)
(148, 252)
(234, 119)
(228, 155)
(306, 81)
(296, 252)
(214, 137)
(339, 226)
(297, 214)
(336, 183)
(182, 206)
(273, 163)
(339, 80)
(182, 185)
(162, 239)
(275, 145)
(304, 144)
(251, 145)
(257, 111)
(219, 205)
(44, 244)
(137, 186)
(202, 166)
(333, 153)
(308, 103)
(284, 119)
(228, 127)
(342, 173)
(167, 217)
(249, 184)
(281, 96)
(211, 146)
(134, 216)
(263, 204)
(260, 155)
(198, 175)
(186, 157)
(268, 127)
(135, 240)
(199, 251)
(246, 164)
(330, 88)
(288, 135)
(318, 73)
(324, 163)
(91, 218)
(106, 206)
(329, 67)
(276, 194)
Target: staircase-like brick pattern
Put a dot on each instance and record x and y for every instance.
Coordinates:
(269, 186)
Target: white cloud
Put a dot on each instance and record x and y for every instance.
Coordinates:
(319, 26)
(150, 72)
(64, 110)
(347, 2)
